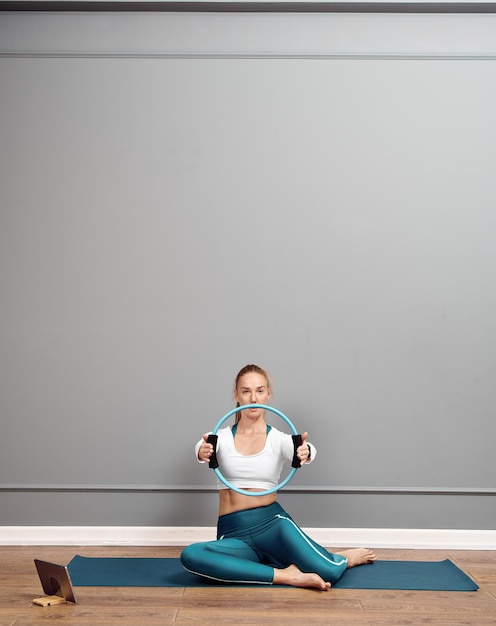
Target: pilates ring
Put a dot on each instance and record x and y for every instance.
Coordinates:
(296, 440)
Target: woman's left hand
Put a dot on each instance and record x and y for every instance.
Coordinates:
(303, 451)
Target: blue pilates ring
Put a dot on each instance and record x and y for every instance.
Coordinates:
(244, 492)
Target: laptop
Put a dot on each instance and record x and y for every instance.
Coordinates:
(56, 583)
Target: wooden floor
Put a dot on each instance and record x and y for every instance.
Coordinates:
(100, 606)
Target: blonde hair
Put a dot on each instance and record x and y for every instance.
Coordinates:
(248, 369)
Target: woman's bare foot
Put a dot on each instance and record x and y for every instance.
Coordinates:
(358, 556)
(293, 576)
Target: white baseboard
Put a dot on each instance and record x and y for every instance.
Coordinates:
(398, 538)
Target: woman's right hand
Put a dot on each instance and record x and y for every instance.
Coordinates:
(205, 451)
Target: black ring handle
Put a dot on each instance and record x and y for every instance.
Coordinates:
(213, 463)
(297, 442)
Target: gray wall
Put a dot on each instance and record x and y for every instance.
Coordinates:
(181, 194)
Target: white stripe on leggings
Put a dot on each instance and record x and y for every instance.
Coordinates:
(329, 560)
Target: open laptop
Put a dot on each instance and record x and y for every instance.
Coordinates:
(56, 582)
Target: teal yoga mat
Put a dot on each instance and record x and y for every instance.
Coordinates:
(160, 572)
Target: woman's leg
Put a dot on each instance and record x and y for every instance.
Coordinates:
(226, 560)
(285, 543)
(231, 560)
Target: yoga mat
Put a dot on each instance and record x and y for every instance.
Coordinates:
(159, 572)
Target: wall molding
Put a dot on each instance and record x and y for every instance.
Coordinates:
(303, 490)
(429, 56)
(395, 538)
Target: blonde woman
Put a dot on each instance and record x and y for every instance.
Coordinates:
(257, 541)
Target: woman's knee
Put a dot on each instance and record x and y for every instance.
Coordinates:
(197, 556)
(192, 555)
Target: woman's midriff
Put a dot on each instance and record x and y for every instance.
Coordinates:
(231, 501)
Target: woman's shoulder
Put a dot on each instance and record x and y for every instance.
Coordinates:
(278, 435)
(225, 432)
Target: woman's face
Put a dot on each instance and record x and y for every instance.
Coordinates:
(253, 388)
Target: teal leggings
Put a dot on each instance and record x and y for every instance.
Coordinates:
(251, 543)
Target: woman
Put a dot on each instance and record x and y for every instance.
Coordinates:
(257, 541)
